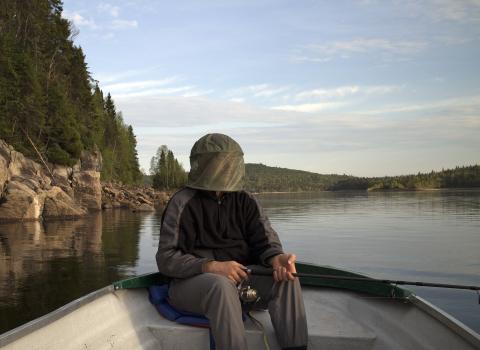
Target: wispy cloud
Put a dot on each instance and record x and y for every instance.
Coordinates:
(450, 10)
(257, 91)
(155, 92)
(345, 49)
(344, 91)
(309, 107)
(138, 85)
(79, 21)
(124, 24)
(327, 134)
(469, 105)
(106, 78)
(112, 10)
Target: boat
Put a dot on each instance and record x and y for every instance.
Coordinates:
(341, 314)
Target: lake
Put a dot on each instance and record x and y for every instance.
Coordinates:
(429, 236)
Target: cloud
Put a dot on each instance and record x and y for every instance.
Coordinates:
(155, 92)
(452, 10)
(114, 11)
(79, 21)
(328, 93)
(257, 91)
(124, 24)
(461, 105)
(436, 10)
(323, 135)
(113, 77)
(137, 85)
(345, 49)
(309, 107)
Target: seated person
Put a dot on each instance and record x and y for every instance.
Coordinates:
(211, 231)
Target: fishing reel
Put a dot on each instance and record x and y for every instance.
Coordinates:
(246, 293)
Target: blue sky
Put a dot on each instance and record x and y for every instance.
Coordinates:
(368, 88)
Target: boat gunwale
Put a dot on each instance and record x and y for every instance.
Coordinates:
(42, 321)
(142, 281)
(456, 326)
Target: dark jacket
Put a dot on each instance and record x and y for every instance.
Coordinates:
(197, 227)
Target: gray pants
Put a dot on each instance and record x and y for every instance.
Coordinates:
(216, 297)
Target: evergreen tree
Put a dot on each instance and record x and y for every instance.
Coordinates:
(48, 98)
(167, 173)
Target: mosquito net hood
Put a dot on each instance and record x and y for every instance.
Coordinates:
(216, 164)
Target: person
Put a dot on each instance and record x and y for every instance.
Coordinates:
(211, 231)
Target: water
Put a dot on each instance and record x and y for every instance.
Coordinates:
(431, 236)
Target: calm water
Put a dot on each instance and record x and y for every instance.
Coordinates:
(430, 236)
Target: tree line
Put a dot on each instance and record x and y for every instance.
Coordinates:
(48, 99)
(459, 177)
(262, 178)
(166, 171)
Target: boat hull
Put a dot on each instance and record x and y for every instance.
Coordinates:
(346, 316)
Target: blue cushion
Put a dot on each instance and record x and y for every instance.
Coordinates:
(158, 296)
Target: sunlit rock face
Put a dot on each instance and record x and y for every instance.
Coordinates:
(30, 191)
(86, 180)
(58, 204)
(20, 202)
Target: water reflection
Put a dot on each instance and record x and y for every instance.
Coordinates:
(432, 236)
(45, 265)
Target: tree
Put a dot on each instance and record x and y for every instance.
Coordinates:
(167, 173)
(47, 93)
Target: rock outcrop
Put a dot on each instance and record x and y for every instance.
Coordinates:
(137, 198)
(30, 191)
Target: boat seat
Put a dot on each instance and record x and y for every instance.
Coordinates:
(329, 327)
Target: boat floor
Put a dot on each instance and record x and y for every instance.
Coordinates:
(337, 320)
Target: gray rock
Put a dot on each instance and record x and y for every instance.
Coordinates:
(88, 189)
(60, 205)
(20, 202)
(24, 185)
(144, 207)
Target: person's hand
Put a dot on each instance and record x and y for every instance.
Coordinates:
(230, 269)
(283, 267)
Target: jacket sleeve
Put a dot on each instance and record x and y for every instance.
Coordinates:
(263, 241)
(171, 261)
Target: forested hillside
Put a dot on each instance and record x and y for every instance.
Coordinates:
(262, 178)
(49, 100)
(460, 177)
(166, 171)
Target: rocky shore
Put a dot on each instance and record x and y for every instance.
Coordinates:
(137, 198)
(33, 191)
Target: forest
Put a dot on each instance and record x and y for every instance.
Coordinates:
(166, 172)
(48, 98)
(262, 178)
(459, 177)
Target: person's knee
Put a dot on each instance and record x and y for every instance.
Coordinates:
(222, 285)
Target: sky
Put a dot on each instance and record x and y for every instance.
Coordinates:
(367, 88)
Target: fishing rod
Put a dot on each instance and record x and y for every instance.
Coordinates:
(269, 272)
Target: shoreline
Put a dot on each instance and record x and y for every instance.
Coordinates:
(378, 190)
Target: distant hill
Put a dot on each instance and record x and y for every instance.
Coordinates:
(263, 178)
(460, 177)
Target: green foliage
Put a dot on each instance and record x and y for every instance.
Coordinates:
(460, 177)
(262, 178)
(166, 172)
(47, 93)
